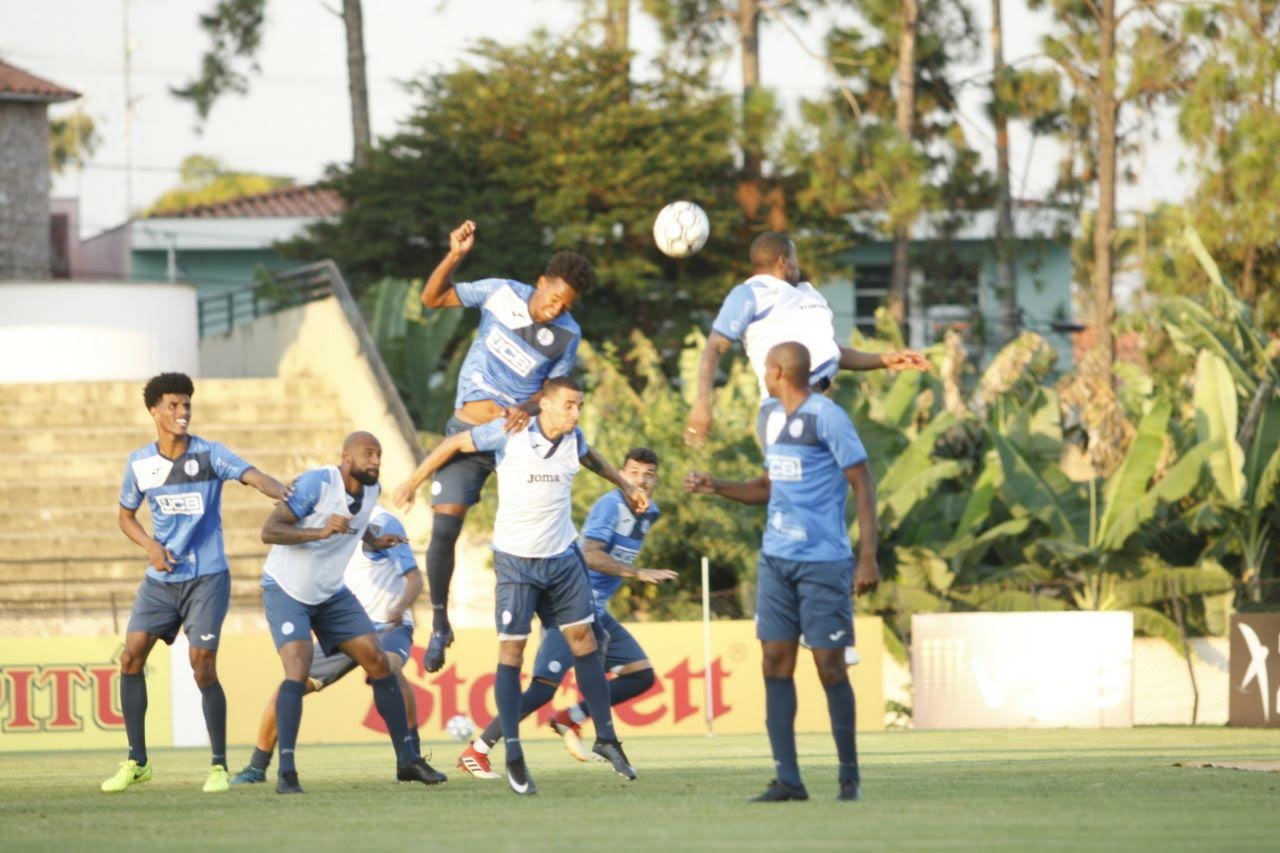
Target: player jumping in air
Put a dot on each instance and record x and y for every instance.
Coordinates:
(188, 584)
(526, 336)
(772, 307)
(611, 540)
(813, 456)
(536, 558)
(386, 583)
(313, 535)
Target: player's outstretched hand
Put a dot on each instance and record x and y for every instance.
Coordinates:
(517, 419)
(462, 238)
(387, 540)
(334, 524)
(637, 500)
(866, 577)
(162, 559)
(699, 426)
(906, 359)
(656, 575)
(403, 497)
(699, 483)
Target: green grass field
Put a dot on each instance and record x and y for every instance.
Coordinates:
(1014, 790)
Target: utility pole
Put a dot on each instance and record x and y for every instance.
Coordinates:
(129, 101)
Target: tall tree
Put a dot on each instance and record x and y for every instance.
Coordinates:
(905, 122)
(1006, 281)
(1109, 59)
(234, 28)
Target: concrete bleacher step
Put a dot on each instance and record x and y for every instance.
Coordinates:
(247, 411)
(50, 545)
(44, 499)
(123, 440)
(208, 391)
(285, 462)
(102, 517)
(124, 568)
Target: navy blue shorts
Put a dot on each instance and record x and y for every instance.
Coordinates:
(555, 588)
(198, 605)
(804, 600)
(335, 621)
(463, 476)
(326, 669)
(619, 647)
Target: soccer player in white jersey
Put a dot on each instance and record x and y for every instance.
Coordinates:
(313, 534)
(526, 336)
(813, 457)
(188, 584)
(772, 307)
(537, 560)
(386, 583)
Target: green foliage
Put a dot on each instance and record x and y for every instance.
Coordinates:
(234, 28)
(205, 180)
(73, 139)
(547, 145)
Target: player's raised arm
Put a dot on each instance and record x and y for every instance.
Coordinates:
(867, 576)
(905, 359)
(459, 442)
(701, 416)
(749, 492)
(265, 483)
(439, 292)
(597, 464)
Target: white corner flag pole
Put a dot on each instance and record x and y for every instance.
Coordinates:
(706, 643)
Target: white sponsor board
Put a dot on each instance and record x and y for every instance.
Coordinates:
(1022, 670)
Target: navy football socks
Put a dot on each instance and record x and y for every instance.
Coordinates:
(624, 687)
(133, 704)
(389, 701)
(780, 721)
(288, 721)
(538, 694)
(214, 702)
(595, 689)
(843, 711)
(440, 556)
(506, 692)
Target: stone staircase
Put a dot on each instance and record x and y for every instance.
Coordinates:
(63, 559)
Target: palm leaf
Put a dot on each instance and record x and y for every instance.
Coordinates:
(1174, 486)
(1216, 421)
(1128, 483)
(1023, 485)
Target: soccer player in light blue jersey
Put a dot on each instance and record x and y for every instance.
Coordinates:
(536, 558)
(313, 536)
(774, 306)
(813, 456)
(187, 585)
(611, 540)
(526, 336)
(386, 582)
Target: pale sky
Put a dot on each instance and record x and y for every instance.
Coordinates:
(295, 119)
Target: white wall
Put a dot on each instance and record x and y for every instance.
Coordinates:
(65, 332)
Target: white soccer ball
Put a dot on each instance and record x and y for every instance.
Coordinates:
(459, 727)
(681, 229)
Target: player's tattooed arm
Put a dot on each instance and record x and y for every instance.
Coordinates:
(281, 527)
(439, 292)
(600, 560)
(265, 483)
(459, 442)
(749, 492)
(701, 417)
(161, 559)
(906, 359)
(867, 576)
(597, 464)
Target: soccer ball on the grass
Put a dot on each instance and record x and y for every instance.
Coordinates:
(459, 727)
(681, 229)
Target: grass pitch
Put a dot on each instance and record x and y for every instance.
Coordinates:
(1011, 790)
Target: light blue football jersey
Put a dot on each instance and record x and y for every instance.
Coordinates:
(185, 497)
(512, 355)
(806, 454)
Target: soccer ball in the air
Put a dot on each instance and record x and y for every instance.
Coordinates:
(459, 727)
(681, 229)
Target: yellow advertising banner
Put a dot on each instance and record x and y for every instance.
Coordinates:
(676, 704)
(64, 693)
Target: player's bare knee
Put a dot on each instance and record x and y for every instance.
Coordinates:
(511, 652)
(377, 666)
(580, 639)
(131, 663)
(831, 666)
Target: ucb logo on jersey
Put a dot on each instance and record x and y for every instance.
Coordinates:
(187, 503)
(785, 468)
(1255, 670)
(544, 478)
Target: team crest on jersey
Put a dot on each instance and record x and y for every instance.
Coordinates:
(151, 472)
(186, 503)
(191, 467)
(508, 352)
(545, 337)
(796, 428)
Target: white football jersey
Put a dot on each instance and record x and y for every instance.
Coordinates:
(377, 577)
